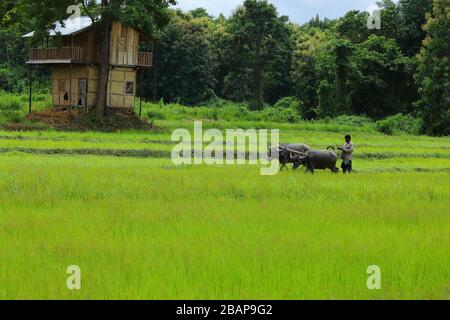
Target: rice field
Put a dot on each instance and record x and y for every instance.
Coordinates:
(140, 227)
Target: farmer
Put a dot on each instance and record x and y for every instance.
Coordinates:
(347, 152)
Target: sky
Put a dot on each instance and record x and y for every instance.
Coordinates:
(299, 11)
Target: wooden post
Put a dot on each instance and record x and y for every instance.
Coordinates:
(31, 90)
(70, 86)
(71, 48)
(154, 71)
(71, 67)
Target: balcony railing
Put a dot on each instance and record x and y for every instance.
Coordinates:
(145, 59)
(77, 55)
(74, 54)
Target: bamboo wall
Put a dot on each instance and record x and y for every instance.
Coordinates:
(62, 85)
(124, 48)
(117, 97)
(124, 45)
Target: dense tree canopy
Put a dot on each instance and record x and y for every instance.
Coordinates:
(186, 60)
(433, 76)
(259, 52)
(258, 57)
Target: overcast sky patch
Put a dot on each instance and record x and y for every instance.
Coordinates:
(299, 11)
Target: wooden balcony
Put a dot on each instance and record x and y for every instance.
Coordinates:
(57, 55)
(68, 55)
(145, 59)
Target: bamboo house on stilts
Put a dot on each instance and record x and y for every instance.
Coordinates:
(74, 61)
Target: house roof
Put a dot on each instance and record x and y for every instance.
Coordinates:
(71, 27)
(74, 26)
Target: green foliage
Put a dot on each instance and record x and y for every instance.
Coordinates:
(353, 26)
(400, 124)
(327, 93)
(381, 81)
(311, 45)
(333, 67)
(356, 121)
(433, 75)
(156, 115)
(288, 115)
(185, 61)
(258, 53)
(14, 107)
(288, 102)
(413, 17)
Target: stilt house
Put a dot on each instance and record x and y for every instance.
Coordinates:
(74, 60)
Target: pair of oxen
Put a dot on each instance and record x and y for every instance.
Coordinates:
(301, 154)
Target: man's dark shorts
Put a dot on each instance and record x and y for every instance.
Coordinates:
(347, 167)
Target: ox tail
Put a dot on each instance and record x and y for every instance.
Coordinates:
(332, 148)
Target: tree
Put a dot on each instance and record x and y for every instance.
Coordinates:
(433, 76)
(353, 26)
(391, 26)
(200, 13)
(257, 38)
(14, 22)
(310, 44)
(381, 81)
(185, 63)
(344, 51)
(413, 17)
(144, 15)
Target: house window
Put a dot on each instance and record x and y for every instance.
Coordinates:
(129, 87)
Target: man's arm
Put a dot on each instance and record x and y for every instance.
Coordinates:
(348, 149)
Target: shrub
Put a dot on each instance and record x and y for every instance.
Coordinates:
(280, 115)
(356, 121)
(288, 102)
(156, 115)
(11, 116)
(400, 124)
(442, 128)
(233, 111)
(10, 102)
(290, 115)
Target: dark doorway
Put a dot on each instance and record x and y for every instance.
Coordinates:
(83, 93)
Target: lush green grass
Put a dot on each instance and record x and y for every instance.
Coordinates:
(140, 227)
(14, 107)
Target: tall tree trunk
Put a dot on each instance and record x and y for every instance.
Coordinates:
(105, 30)
(257, 100)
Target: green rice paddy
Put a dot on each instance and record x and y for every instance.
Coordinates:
(140, 227)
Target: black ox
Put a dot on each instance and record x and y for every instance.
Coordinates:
(289, 153)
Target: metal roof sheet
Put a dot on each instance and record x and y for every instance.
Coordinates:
(71, 26)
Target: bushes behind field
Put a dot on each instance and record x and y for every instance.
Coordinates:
(400, 124)
(287, 110)
(14, 108)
